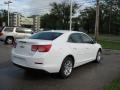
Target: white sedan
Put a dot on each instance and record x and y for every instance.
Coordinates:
(56, 51)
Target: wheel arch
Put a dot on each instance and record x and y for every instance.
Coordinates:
(100, 49)
(9, 37)
(71, 57)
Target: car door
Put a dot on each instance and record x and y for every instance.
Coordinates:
(20, 33)
(90, 46)
(77, 47)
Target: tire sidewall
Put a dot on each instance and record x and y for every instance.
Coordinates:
(61, 73)
(99, 53)
(6, 41)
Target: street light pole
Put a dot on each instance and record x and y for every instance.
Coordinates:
(97, 21)
(70, 15)
(8, 3)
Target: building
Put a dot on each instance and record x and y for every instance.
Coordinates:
(36, 22)
(16, 19)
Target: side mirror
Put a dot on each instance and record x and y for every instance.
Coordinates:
(90, 42)
(94, 41)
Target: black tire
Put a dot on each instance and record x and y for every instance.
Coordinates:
(98, 57)
(9, 40)
(66, 68)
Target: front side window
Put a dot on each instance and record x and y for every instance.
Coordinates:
(8, 29)
(75, 38)
(20, 30)
(23, 30)
(85, 38)
(29, 31)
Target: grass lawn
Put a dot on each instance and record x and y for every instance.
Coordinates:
(115, 45)
(110, 42)
(114, 85)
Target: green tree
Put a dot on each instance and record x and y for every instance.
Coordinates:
(109, 17)
(112, 12)
(87, 19)
(3, 16)
(59, 16)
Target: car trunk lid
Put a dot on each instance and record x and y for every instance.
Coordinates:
(24, 46)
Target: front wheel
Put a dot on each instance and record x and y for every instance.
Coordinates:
(99, 56)
(66, 68)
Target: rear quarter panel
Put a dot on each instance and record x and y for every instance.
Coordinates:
(60, 49)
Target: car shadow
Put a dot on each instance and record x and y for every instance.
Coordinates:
(34, 75)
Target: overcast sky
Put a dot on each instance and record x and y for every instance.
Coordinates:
(30, 7)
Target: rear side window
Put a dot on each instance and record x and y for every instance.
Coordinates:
(46, 35)
(8, 29)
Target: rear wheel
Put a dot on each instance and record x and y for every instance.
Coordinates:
(9, 40)
(99, 56)
(66, 68)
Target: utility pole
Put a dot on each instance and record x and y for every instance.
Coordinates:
(112, 2)
(71, 7)
(8, 3)
(110, 17)
(97, 21)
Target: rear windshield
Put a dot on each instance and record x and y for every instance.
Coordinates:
(46, 35)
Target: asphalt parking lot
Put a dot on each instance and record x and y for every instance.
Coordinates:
(91, 76)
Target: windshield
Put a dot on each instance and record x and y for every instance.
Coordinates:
(46, 35)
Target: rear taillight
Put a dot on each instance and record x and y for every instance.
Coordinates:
(1, 33)
(34, 47)
(41, 48)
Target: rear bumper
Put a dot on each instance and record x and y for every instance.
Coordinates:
(23, 67)
(2, 38)
(34, 63)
